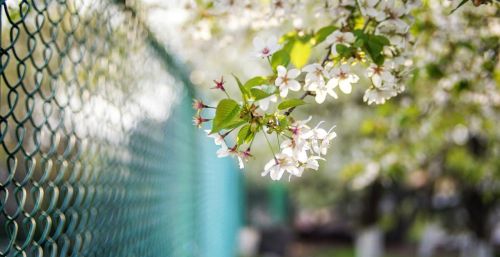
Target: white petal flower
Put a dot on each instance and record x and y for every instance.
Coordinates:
(394, 30)
(315, 74)
(286, 80)
(300, 130)
(321, 139)
(338, 37)
(218, 138)
(381, 77)
(223, 151)
(392, 10)
(377, 96)
(295, 148)
(322, 90)
(242, 158)
(342, 77)
(278, 166)
(369, 8)
(266, 48)
(312, 163)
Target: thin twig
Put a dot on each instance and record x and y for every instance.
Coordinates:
(287, 113)
(269, 144)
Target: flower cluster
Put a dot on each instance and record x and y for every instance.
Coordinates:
(370, 39)
(301, 151)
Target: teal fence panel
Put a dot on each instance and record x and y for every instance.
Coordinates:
(221, 194)
(98, 155)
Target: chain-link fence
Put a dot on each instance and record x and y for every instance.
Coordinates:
(98, 156)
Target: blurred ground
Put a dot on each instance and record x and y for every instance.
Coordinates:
(303, 249)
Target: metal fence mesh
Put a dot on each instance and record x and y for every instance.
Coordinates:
(89, 165)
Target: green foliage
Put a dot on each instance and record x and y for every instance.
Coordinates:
(283, 122)
(245, 92)
(459, 5)
(255, 81)
(345, 51)
(258, 94)
(226, 115)
(281, 57)
(245, 135)
(301, 51)
(294, 102)
(373, 45)
(323, 33)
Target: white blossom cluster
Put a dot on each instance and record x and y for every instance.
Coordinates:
(378, 49)
(301, 151)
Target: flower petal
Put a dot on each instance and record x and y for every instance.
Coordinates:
(293, 73)
(294, 85)
(345, 86)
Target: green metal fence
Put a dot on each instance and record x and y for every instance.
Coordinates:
(98, 156)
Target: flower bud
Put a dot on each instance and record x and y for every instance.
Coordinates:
(198, 104)
(219, 84)
(198, 121)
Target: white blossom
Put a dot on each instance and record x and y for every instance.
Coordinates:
(315, 73)
(378, 96)
(381, 77)
(224, 151)
(296, 148)
(302, 151)
(342, 77)
(338, 37)
(279, 165)
(322, 90)
(320, 140)
(286, 80)
(369, 8)
(395, 31)
(300, 130)
(218, 138)
(266, 48)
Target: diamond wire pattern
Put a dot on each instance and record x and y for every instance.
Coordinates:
(87, 166)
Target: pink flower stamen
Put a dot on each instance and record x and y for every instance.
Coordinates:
(219, 84)
(198, 104)
(198, 121)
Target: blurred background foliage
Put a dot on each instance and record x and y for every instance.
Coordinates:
(418, 175)
(421, 165)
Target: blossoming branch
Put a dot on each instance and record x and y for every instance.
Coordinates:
(368, 38)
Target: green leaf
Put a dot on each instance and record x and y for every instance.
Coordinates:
(380, 40)
(244, 91)
(281, 57)
(342, 49)
(283, 122)
(374, 46)
(258, 94)
(323, 33)
(459, 5)
(255, 81)
(290, 103)
(226, 115)
(300, 53)
(358, 43)
(245, 135)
